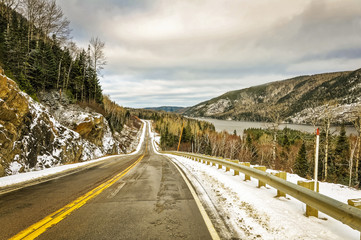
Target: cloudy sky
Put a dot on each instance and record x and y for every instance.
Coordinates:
(182, 52)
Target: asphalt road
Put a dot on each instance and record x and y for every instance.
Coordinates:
(151, 201)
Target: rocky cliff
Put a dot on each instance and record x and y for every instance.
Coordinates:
(33, 138)
(296, 100)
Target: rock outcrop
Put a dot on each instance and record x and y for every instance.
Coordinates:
(32, 138)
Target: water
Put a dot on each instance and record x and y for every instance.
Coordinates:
(240, 126)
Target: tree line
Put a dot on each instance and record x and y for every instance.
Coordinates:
(288, 150)
(37, 52)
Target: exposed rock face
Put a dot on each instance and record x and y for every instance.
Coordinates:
(218, 107)
(91, 126)
(31, 138)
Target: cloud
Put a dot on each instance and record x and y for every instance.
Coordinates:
(182, 52)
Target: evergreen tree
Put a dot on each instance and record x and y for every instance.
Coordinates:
(285, 140)
(342, 154)
(301, 165)
(37, 62)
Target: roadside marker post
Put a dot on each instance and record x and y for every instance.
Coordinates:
(180, 137)
(316, 156)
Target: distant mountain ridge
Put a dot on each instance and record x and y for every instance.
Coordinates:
(167, 109)
(296, 100)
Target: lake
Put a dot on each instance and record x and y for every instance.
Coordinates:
(240, 126)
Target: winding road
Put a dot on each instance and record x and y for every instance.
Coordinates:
(141, 196)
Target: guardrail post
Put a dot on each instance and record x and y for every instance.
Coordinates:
(356, 202)
(208, 162)
(247, 164)
(262, 168)
(310, 211)
(213, 164)
(219, 166)
(235, 171)
(227, 168)
(282, 175)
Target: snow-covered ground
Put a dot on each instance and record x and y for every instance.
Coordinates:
(255, 213)
(29, 176)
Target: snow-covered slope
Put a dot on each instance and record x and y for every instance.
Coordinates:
(36, 175)
(31, 138)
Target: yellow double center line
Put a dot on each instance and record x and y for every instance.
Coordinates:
(38, 228)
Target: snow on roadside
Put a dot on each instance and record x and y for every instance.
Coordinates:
(337, 191)
(255, 213)
(142, 137)
(28, 176)
(155, 138)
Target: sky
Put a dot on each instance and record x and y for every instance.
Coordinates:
(183, 52)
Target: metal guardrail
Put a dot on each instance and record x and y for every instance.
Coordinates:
(344, 213)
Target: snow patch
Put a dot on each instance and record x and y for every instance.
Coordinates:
(218, 107)
(15, 167)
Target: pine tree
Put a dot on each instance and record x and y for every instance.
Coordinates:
(301, 165)
(342, 154)
(37, 61)
(285, 141)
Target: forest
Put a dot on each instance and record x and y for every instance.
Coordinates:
(288, 150)
(37, 52)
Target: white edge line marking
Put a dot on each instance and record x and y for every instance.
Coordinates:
(204, 214)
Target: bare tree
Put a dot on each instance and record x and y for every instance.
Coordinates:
(97, 54)
(73, 50)
(357, 124)
(353, 148)
(327, 117)
(33, 10)
(54, 23)
(6, 7)
(273, 126)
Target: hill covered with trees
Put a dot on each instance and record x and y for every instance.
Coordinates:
(297, 100)
(37, 52)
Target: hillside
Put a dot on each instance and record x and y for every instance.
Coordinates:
(296, 99)
(35, 136)
(52, 110)
(38, 59)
